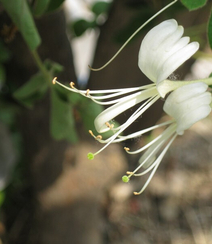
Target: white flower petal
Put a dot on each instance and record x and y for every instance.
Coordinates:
(188, 104)
(149, 46)
(163, 50)
(176, 60)
(191, 118)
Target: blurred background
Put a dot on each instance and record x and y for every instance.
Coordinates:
(49, 191)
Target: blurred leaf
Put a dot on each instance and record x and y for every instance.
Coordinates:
(8, 157)
(20, 14)
(100, 8)
(62, 120)
(40, 7)
(80, 26)
(2, 197)
(54, 5)
(5, 54)
(193, 4)
(53, 67)
(210, 30)
(88, 112)
(2, 75)
(32, 91)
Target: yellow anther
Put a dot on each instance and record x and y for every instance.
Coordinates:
(90, 131)
(87, 92)
(109, 125)
(136, 193)
(54, 80)
(72, 84)
(129, 173)
(126, 148)
(99, 137)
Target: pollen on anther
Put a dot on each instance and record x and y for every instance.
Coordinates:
(129, 173)
(90, 131)
(136, 193)
(72, 84)
(54, 80)
(126, 148)
(109, 125)
(99, 137)
(87, 92)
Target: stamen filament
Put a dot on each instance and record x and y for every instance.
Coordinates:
(139, 133)
(129, 121)
(158, 160)
(165, 136)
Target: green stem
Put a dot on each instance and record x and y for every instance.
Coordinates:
(41, 67)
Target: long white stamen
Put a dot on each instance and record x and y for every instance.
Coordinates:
(141, 132)
(139, 112)
(157, 163)
(155, 149)
(162, 137)
(129, 121)
(130, 38)
(124, 99)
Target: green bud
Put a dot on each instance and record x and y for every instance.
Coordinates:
(125, 178)
(90, 156)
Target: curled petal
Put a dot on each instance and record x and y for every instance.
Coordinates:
(163, 50)
(176, 60)
(188, 104)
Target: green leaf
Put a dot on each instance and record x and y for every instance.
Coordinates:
(62, 120)
(210, 30)
(100, 8)
(5, 54)
(53, 67)
(32, 91)
(88, 111)
(2, 197)
(2, 75)
(193, 4)
(21, 16)
(40, 7)
(80, 26)
(54, 5)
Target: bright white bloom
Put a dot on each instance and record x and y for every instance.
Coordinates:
(187, 105)
(162, 51)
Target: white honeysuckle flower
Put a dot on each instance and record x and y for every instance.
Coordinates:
(162, 51)
(187, 105)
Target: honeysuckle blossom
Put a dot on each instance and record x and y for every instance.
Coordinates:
(186, 105)
(162, 51)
